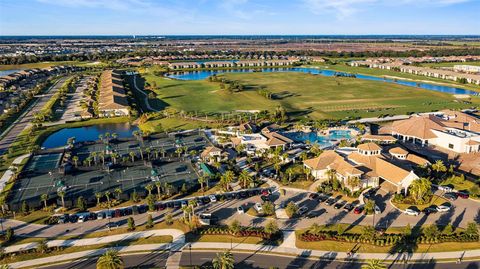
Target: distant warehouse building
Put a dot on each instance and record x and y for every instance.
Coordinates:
(467, 68)
(112, 100)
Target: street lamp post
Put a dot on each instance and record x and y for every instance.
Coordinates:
(190, 248)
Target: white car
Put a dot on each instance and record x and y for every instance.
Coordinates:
(377, 210)
(240, 210)
(445, 188)
(412, 212)
(81, 218)
(443, 208)
(258, 207)
(212, 198)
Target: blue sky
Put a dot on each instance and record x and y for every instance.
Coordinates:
(169, 17)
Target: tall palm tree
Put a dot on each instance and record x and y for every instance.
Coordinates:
(114, 136)
(98, 195)
(44, 198)
(245, 179)
(201, 181)
(224, 260)
(148, 151)
(289, 172)
(94, 156)
(374, 264)
(438, 166)
(62, 196)
(101, 155)
(118, 191)
(179, 152)
(132, 155)
(149, 188)
(115, 156)
(226, 179)
(75, 161)
(158, 184)
(419, 188)
(110, 260)
(107, 195)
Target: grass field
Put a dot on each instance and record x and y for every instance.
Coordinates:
(302, 94)
(41, 65)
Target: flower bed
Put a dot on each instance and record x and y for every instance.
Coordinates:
(244, 232)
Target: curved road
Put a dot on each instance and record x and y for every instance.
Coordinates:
(251, 260)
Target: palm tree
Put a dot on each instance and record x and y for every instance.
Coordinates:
(353, 182)
(100, 137)
(115, 157)
(89, 161)
(201, 180)
(374, 264)
(155, 152)
(149, 188)
(132, 155)
(114, 136)
(226, 179)
(75, 161)
(98, 195)
(101, 155)
(44, 198)
(94, 156)
(179, 151)
(110, 260)
(245, 179)
(148, 151)
(62, 196)
(420, 188)
(163, 152)
(224, 260)
(107, 195)
(192, 203)
(307, 172)
(289, 172)
(118, 191)
(158, 184)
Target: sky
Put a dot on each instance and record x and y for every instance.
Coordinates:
(238, 17)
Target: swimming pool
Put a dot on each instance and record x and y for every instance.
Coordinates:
(322, 140)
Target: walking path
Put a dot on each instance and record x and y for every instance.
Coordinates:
(178, 238)
(174, 259)
(147, 103)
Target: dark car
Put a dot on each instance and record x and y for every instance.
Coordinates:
(135, 210)
(117, 214)
(111, 225)
(127, 211)
(251, 193)
(463, 194)
(243, 194)
(339, 205)
(430, 210)
(313, 195)
(348, 207)
(142, 209)
(450, 196)
(330, 201)
(322, 198)
(229, 196)
(92, 216)
(265, 198)
(206, 200)
(177, 205)
(73, 218)
(63, 219)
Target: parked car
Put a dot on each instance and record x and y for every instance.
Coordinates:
(111, 225)
(330, 201)
(109, 214)
(322, 198)
(348, 207)
(127, 211)
(450, 196)
(377, 210)
(212, 198)
(444, 208)
(73, 218)
(243, 194)
(258, 207)
(162, 206)
(82, 218)
(118, 213)
(313, 195)
(463, 194)
(184, 203)
(358, 210)
(265, 192)
(266, 198)
(430, 210)
(340, 204)
(445, 188)
(240, 210)
(142, 209)
(411, 211)
(302, 210)
(62, 219)
(206, 200)
(177, 205)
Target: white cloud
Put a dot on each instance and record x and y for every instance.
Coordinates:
(345, 8)
(107, 4)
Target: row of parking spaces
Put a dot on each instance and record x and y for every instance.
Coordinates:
(204, 204)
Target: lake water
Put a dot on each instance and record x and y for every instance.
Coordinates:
(8, 72)
(203, 74)
(88, 133)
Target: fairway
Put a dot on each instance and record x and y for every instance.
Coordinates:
(302, 94)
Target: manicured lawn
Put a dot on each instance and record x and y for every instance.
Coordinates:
(464, 185)
(37, 216)
(224, 239)
(302, 94)
(159, 125)
(42, 65)
(436, 200)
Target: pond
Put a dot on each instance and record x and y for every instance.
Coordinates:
(88, 133)
(203, 74)
(322, 140)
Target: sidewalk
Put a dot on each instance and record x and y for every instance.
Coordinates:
(274, 250)
(178, 238)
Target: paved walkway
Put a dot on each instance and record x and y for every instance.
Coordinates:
(147, 103)
(178, 238)
(173, 261)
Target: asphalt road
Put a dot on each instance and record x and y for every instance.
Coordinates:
(251, 261)
(27, 117)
